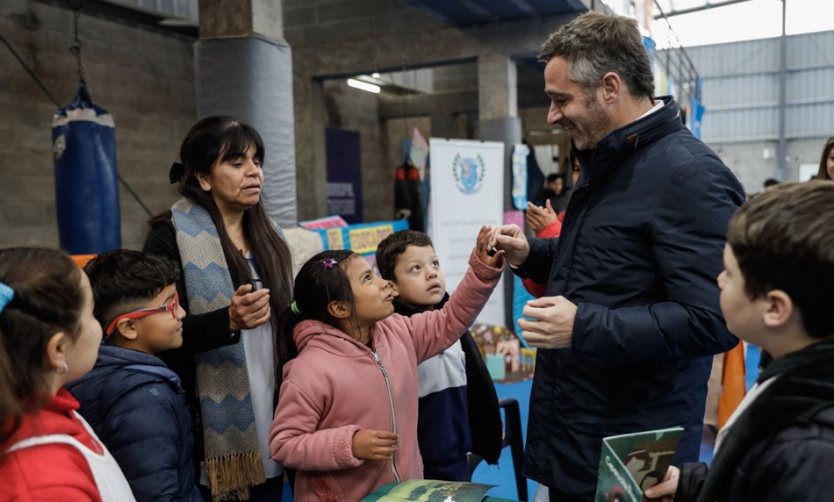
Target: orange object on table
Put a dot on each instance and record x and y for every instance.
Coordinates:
(733, 383)
(82, 259)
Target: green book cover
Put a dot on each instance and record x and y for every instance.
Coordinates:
(631, 463)
(429, 490)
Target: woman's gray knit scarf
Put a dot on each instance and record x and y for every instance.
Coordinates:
(232, 455)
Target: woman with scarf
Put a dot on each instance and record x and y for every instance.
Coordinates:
(236, 276)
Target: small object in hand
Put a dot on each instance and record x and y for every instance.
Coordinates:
(492, 252)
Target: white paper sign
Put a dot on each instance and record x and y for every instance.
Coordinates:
(467, 190)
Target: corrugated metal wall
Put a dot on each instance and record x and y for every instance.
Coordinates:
(741, 88)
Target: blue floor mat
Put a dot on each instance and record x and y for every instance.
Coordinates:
(502, 474)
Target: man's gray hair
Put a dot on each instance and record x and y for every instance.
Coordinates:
(594, 44)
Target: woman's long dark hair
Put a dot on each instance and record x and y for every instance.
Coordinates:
(822, 174)
(221, 138)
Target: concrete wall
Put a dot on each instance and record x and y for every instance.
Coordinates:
(749, 165)
(144, 78)
(357, 110)
(333, 38)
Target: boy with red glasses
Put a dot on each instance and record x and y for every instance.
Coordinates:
(132, 400)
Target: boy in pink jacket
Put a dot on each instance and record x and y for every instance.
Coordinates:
(347, 410)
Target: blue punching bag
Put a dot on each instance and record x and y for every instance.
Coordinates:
(86, 185)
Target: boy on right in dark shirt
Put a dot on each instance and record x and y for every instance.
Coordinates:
(458, 406)
(777, 292)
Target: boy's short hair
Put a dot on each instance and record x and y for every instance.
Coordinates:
(392, 247)
(122, 280)
(784, 239)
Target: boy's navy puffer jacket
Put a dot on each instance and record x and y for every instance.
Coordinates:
(137, 408)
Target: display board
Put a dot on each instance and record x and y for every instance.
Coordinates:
(467, 187)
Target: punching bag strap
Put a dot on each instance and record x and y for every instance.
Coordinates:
(76, 48)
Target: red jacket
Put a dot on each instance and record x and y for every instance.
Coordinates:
(553, 230)
(55, 472)
(337, 386)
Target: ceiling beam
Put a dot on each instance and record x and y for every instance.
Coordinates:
(696, 9)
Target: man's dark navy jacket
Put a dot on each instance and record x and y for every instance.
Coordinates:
(640, 249)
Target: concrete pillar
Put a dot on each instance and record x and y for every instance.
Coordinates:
(498, 109)
(497, 87)
(443, 126)
(498, 121)
(243, 67)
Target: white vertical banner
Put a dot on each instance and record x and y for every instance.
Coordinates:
(467, 190)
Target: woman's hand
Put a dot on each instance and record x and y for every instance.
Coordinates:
(665, 490)
(374, 445)
(249, 309)
(538, 218)
(487, 254)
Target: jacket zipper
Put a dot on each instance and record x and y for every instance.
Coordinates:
(391, 406)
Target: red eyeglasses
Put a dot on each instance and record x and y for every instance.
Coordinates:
(173, 307)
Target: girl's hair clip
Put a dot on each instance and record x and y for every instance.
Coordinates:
(6, 295)
(328, 262)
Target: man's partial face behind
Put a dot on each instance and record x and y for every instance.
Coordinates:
(584, 118)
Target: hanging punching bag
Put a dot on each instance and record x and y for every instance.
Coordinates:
(86, 186)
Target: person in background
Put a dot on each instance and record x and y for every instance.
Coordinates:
(134, 403)
(546, 224)
(776, 293)
(347, 413)
(630, 320)
(770, 182)
(554, 193)
(826, 171)
(458, 406)
(48, 337)
(237, 274)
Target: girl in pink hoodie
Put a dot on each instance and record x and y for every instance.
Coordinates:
(347, 410)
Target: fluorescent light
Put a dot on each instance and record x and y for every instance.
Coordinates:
(375, 75)
(358, 84)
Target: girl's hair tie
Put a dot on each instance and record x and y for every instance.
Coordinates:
(6, 295)
(294, 308)
(328, 262)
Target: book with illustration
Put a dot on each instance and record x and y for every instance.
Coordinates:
(632, 463)
(429, 490)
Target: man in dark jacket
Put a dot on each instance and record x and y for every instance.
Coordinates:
(630, 320)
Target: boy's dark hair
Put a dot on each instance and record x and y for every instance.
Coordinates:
(770, 182)
(319, 282)
(392, 247)
(784, 239)
(123, 280)
(553, 177)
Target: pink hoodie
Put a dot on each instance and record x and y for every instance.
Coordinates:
(337, 386)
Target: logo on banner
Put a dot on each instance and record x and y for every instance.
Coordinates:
(469, 173)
